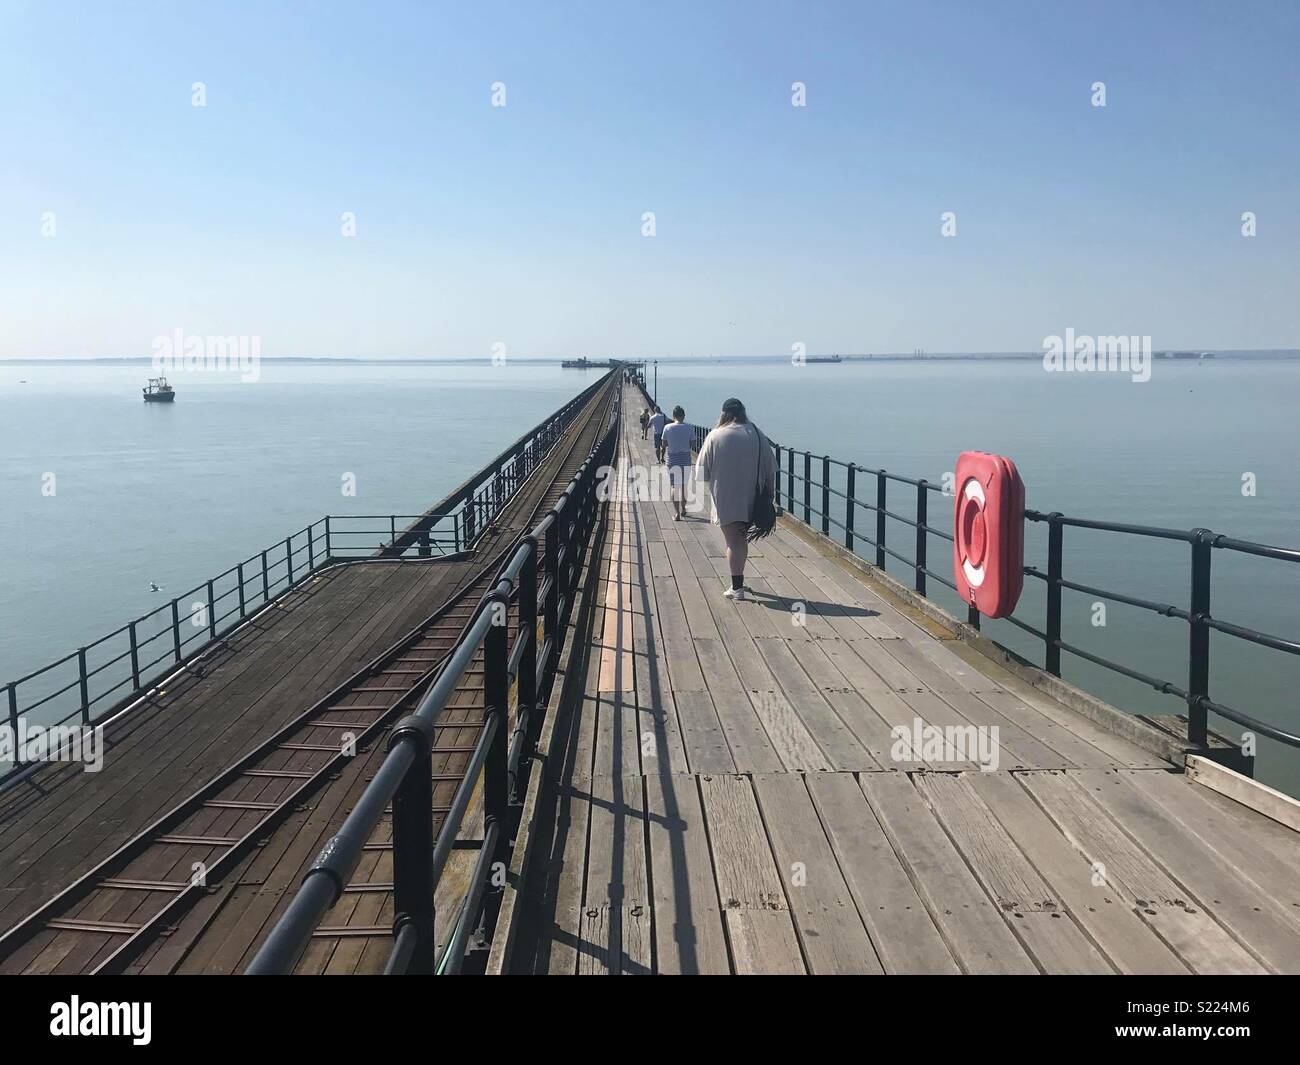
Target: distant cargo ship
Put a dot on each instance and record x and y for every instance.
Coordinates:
(159, 391)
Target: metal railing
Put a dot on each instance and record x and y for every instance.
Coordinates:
(97, 681)
(555, 548)
(811, 482)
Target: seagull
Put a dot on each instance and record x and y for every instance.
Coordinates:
(153, 587)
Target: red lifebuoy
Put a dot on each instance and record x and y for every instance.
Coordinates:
(988, 532)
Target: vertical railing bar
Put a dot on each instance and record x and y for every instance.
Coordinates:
(1198, 645)
(84, 683)
(1055, 543)
(922, 508)
(850, 505)
(135, 657)
(807, 487)
(880, 518)
(826, 495)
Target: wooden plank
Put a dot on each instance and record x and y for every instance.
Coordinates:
(705, 742)
(689, 933)
(1128, 869)
(971, 925)
(616, 908)
(754, 906)
(905, 937)
(836, 740)
(1130, 944)
(1283, 809)
(1255, 917)
(1036, 913)
(826, 918)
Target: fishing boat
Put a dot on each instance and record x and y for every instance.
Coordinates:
(159, 391)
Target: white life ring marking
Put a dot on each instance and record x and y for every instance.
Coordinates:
(972, 489)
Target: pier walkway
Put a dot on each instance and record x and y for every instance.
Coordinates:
(219, 789)
(727, 793)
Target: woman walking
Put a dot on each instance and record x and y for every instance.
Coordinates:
(738, 465)
(677, 444)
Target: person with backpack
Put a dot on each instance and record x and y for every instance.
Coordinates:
(738, 465)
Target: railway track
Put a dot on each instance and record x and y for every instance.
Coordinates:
(115, 917)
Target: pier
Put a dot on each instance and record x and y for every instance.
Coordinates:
(527, 734)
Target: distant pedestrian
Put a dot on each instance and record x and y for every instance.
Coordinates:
(677, 445)
(657, 422)
(645, 422)
(737, 464)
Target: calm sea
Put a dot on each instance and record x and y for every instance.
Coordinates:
(172, 494)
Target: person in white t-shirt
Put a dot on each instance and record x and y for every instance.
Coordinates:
(678, 437)
(657, 422)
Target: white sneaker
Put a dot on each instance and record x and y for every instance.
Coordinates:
(737, 594)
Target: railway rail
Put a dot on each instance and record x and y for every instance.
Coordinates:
(115, 917)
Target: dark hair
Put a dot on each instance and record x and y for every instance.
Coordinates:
(678, 413)
(732, 411)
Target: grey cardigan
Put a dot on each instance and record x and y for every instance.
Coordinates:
(733, 462)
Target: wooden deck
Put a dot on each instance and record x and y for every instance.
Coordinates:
(727, 797)
(63, 821)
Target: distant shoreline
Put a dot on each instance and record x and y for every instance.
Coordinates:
(1242, 354)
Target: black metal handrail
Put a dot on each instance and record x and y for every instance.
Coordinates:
(556, 546)
(99, 680)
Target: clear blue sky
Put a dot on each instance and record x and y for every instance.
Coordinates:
(522, 224)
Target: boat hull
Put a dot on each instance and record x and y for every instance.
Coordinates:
(159, 397)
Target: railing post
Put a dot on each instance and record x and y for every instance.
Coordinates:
(973, 616)
(1055, 537)
(413, 885)
(1198, 647)
(922, 508)
(311, 550)
(496, 693)
(807, 487)
(525, 712)
(83, 681)
(392, 530)
(288, 560)
(881, 483)
(550, 606)
(776, 491)
(329, 547)
(423, 549)
(850, 505)
(266, 585)
(455, 531)
(212, 613)
(135, 657)
(176, 629)
(243, 606)
(826, 495)
(789, 482)
(13, 717)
